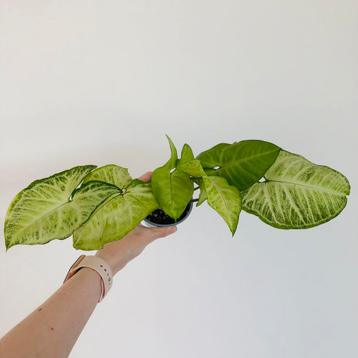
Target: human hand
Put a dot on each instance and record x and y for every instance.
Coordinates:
(118, 253)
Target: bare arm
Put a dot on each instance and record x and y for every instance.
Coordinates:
(53, 328)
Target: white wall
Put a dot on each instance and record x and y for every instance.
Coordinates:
(103, 81)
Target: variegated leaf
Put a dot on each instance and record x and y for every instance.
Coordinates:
(112, 174)
(116, 217)
(51, 208)
(297, 193)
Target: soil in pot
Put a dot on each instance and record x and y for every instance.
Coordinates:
(158, 216)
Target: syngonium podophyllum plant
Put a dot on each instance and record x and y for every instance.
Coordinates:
(100, 205)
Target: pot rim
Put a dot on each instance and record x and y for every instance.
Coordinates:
(151, 223)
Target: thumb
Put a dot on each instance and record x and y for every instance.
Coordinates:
(159, 232)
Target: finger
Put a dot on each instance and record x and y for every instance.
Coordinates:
(146, 176)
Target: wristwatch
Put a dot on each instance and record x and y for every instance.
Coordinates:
(97, 264)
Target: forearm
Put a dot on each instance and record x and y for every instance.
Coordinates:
(53, 328)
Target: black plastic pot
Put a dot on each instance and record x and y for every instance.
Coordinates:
(159, 218)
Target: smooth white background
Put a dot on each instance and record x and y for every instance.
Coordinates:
(102, 82)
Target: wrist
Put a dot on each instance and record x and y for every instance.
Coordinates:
(93, 276)
(112, 261)
(96, 264)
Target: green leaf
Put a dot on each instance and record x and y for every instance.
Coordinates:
(241, 163)
(225, 199)
(203, 195)
(193, 168)
(135, 182)
(297, 193)
(186, 155)
(174, 155)
(172, 189)
(213, 156)
(45, 211)
(112, 174)
(116, 217)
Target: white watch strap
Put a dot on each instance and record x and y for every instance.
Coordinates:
(95, 263)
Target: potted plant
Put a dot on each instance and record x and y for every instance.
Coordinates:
(100, 205)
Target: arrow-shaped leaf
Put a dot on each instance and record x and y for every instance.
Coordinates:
(173, 189)
(112, 174)
(297, 193)
(51, 208)
(224, 198)
(116, 217)
(241, 163)
(186, 155)
(203, 195)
